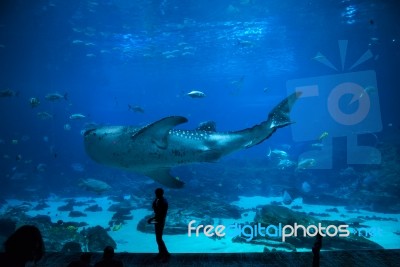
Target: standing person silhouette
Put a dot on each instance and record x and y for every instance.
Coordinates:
(160, 207)
(315, 250)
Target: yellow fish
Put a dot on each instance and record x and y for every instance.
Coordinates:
(71, 228)
(117, 227)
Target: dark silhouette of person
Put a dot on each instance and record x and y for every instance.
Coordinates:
(23, 246)
(84, 261)
(315, 250)
(108, 259)
(160, 207)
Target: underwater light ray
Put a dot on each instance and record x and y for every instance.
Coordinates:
(367, 55)
(322, 59)
(343, 51)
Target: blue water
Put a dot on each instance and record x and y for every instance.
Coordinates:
(106, 55)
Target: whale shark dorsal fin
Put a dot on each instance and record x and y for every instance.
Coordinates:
(158, 131)
(208, 126)
(163, 176)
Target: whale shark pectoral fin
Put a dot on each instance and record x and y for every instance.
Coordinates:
(163, 176)
(158, 131)
(211, 155)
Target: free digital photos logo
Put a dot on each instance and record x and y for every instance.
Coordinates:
(343, 105)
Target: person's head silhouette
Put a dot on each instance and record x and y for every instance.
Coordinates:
(25, 244)
(159, 192)
(108, 252)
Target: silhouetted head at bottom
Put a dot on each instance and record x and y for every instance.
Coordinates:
(24, 245)
(108, 252)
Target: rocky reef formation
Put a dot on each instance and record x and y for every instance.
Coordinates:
(97, 238)
(68, 237)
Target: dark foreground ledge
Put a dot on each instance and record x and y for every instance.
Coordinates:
(362, 258)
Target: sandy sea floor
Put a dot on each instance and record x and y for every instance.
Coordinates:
(128, 239)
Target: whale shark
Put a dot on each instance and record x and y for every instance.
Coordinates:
(152, 150)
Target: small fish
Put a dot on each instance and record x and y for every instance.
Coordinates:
(305, 187)
(244, 43)
(285, 164)
(94, 185)
(77, 116)
(323, 136)
(56, 96)
(44, 115)
(137, 109)
(67, 127)
(368, 90)
(286, 198)
(78, 167)
(187, 54)
(276, 153)
(8, 93)
(306, 163)
(317, 145)
(238, 82)
(117, 227)
(34, 102)
(77, 41)
(170, 52)
(41, 167)
(72, 228)
(196, 94)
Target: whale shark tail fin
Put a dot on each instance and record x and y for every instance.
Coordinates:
(279, 117)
